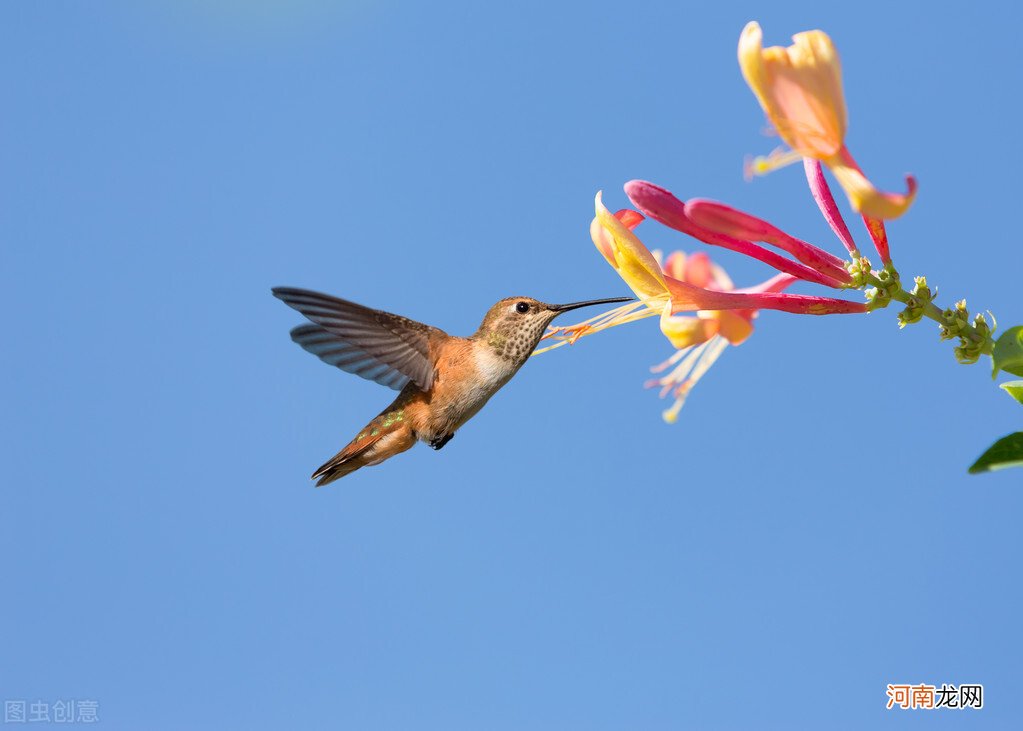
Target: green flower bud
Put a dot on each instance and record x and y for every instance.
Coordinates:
(913, 313)
(981, 326)
(968, 350)
(889, 275)
(921, 290)
(876, 298)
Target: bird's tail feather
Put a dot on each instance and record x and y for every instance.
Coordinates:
(334, 470)
(387, 435)
(346, 461)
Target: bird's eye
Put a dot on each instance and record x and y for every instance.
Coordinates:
(522, 307)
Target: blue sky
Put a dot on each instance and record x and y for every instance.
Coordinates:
(803, 536)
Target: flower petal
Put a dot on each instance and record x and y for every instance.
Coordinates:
(630, 218)
(685, 332)
(739, 224)
(634, 262)
(821, 192)
(733, 327)
(864, 197)
(751, 63)
(721, 280)
(686, 297)
(675, 265)
(699, 270)
(875, 227)
(799, 88)
(603, 239)
(659, 204)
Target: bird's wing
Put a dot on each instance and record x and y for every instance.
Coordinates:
(389, 349)
(338, 351)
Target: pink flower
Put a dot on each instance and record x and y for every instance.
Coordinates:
(723, 314)
(721, 225)
(800, 90)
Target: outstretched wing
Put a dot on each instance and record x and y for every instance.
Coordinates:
(338, 351)
(386, 348)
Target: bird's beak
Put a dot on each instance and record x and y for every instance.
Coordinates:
(587, 303)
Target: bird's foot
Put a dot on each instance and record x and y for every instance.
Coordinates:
(441, 441)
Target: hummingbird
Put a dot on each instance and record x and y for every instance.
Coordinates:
(443, 380)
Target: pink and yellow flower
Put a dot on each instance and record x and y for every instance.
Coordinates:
(800, 91)
(700, 311)
(658, 290)
(722, 315)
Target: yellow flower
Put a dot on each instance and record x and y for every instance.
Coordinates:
(800, 90)
(627, 254)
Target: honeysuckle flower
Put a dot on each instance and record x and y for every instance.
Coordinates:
(826, 202)
(721, 225)
(800, 91)
(722, 314)
(662, 206)
(724, 219)
(641, 271)
(700, 311)
(701, 339)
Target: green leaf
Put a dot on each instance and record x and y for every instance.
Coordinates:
(1006, 452)
(1014, 389)
(1008, 352)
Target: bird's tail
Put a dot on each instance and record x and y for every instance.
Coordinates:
(387, 435)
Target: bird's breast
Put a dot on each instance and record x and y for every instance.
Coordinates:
(492, 372)
(464, 387)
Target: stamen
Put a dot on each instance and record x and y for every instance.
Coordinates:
(762, 165)
(695, 363)
(569, 334)
(671, 361)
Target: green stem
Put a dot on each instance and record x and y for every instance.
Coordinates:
(930, 310)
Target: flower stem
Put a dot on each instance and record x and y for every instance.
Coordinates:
(981, 341)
